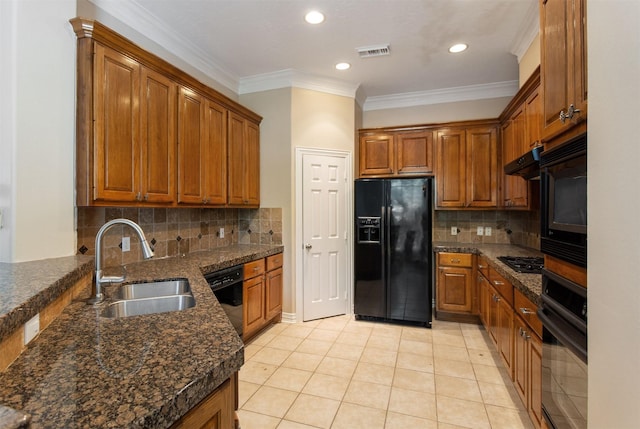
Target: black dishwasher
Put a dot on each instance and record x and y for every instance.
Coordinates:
(227, 287)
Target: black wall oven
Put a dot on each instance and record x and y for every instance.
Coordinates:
(564, 352)
(563, 185)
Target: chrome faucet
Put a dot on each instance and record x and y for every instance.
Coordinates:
(146, 253)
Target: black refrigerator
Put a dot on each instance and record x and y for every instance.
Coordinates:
(393, 249)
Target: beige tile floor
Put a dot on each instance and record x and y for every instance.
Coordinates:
(341, 373)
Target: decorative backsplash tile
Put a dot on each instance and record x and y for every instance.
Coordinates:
(508, 227)
(175, 231)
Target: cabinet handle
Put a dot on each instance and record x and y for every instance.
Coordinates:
(481, 266)
(526, 311)
(138, 196)
(570, 112)
(146, 197)
(498, 283)
(455, 261)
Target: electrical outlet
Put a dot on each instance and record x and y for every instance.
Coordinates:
(221, 233)
(480, 230)
(454, 230)
(487, 231)
(126, 244)
(31, 328)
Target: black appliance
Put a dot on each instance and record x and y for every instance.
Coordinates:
(227, 287)
(393, 249)
(564, 352)
(527, 165)
(563, 201)
(524, 264)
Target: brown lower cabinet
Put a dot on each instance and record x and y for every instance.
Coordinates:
(455, 291)
(515, 330)
(261, 294)
(216, 411)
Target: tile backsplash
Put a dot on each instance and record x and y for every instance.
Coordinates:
(176, 231)
(508, 227)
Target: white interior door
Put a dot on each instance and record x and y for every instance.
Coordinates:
(324, 233)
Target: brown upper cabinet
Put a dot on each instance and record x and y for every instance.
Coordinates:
(244, 162)
(521, 124)
(563, 63)
(202, 163)
(148, 134)
(389, 153)
(467, 167)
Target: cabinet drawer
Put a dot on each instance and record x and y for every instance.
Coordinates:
(253, 268)
(527, 310)
(483, 266)
(455, 259)
(274, 261)
(502, 285)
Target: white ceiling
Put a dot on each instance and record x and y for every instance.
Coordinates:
(250, 45)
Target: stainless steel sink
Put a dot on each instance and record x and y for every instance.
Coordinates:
(153, 289)
(141, 306)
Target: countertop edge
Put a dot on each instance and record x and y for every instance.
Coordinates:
(18, 316)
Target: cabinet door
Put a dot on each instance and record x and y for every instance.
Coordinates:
(533, 120)
(482, 167)
(414, 153)
(243, 146)
(158, 137)
(376, 155)
(216, 411)
(116, 126)
(516, 189)
(562, 63)
(191, 140)
(535, 380)
(521, 359)
(274, 293)
(454, 289)
(451, 168)
(505, 334)
(485, 296)
(253, 307)
(215, 159)
(252, 165)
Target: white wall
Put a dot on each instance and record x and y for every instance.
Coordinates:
(529, 61)
(436, 113)
(276, 166)
(613, 205)
(39, 113)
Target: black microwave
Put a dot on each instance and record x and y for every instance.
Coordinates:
(563, 201)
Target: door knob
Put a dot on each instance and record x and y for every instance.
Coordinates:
(308, 246)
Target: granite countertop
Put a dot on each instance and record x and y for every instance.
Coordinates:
(85, 370)
(529, 284)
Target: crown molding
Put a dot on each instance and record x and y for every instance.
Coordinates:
(290, 78)
(529, 30)
(132, 14)
(445, 95)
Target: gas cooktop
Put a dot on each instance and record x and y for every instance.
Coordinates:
(524, 264)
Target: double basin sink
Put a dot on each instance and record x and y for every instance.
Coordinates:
(138, 299)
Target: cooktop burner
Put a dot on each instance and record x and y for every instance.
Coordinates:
(524, 264)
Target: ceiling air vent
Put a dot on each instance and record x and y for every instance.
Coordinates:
(374, 51)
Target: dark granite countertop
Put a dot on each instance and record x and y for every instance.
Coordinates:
(85, 370)
(529, 284)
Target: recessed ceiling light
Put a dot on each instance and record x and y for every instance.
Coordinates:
(314, 17)
(458, 48)
(343, 66)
